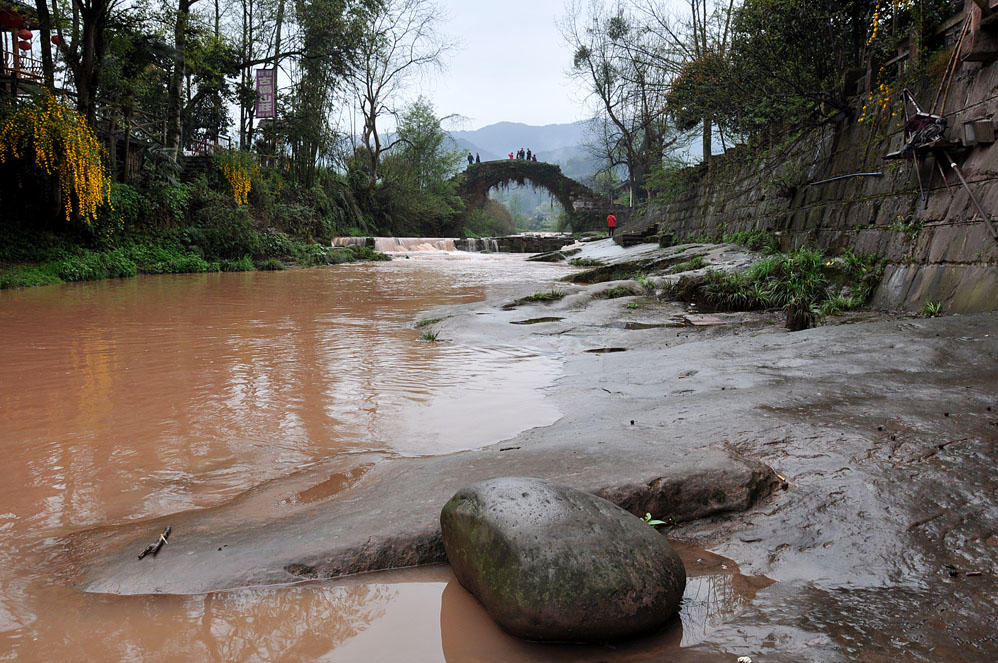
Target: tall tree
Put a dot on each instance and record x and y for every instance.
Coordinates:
(175, 91)
(694, 40)
(398, 43)
(611, 60)
(82, 43)
(326, 47)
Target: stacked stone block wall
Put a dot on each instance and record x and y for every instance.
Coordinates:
(939, 250)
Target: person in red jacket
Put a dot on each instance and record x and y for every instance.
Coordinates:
(611, 223)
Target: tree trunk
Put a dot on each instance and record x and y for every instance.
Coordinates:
(707, 142)
(45, 28)
(175, 92)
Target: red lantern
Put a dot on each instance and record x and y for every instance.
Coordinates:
(56, 40)
(24, 46)
(24, 35)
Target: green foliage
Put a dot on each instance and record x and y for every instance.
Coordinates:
(839, 304)
(757, 240)
(244, 264)
(415, 195)
(173, 202)
(910, 226)
(648, 520)
(804, 283)
(272, 265)
(585, 262)
(791, 62)
(166, 258)
(427, 322)
(129, 203)
(428, 335)
(616, 292)
(931, 309)
(492, 220)
(671, 179)
(552, 296)
(697, 262)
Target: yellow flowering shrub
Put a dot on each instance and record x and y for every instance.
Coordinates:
(54, 139)
(878, 101)
(239, 168)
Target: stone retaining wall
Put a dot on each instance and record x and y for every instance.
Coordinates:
(940, 250)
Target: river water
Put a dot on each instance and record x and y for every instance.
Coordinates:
(130, 399)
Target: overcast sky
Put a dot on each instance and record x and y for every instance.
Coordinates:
(510, 65)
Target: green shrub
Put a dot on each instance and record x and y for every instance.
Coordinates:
(222, 232)
(93, 266)
(552, 296)
(585, 262)
(697, 262)
(173, 202)
(272, 265)
(616, 292)
(23, 276)
(244, 264)
(757, 240)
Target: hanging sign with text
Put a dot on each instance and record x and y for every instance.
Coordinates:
(266, 91)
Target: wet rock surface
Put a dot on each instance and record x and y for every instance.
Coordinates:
(883, 546)
(550, 562)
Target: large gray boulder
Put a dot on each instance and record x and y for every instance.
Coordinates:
(551, 562)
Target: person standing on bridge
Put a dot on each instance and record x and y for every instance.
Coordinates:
(611, 223)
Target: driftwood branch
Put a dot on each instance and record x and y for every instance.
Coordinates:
(153, 548)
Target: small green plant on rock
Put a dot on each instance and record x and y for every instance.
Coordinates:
(614, 293)
(429, 336)
(931, 309)
(585, 262)
(757, 240)
(552, 296)
(671, 521)
(907, 225)
(648, 520)
(697, 262)
(427, 322)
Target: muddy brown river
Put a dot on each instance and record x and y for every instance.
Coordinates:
(126, 400)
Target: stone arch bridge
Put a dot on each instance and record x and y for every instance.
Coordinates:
(579, 201)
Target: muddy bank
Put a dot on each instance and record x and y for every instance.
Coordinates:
(882, 428)
(884, 545)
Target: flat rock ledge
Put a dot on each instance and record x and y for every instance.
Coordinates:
(550, 562)
(390, 517)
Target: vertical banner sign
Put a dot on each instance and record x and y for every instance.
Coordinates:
(266, 90)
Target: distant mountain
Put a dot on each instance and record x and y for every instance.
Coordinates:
(554, 143)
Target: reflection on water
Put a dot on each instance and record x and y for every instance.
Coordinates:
(141, 397)
(394, 617)
(715, 592)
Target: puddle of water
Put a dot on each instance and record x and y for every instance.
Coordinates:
(412, 615)
(394, 617)
(334, 484)
(605, 350)
(535, 321)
